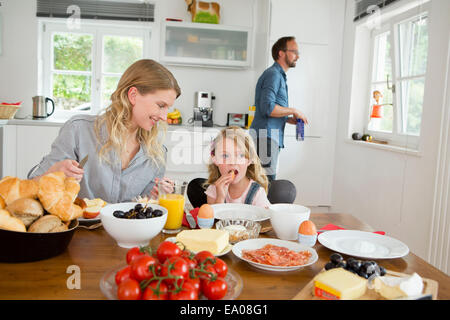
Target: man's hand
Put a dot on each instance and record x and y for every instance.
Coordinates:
(298, 115)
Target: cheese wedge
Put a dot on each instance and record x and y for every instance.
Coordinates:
(339, 284)
(396, 287)
(212, 240)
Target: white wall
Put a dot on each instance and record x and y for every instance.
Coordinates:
(234, 89)
(393, 191)
(18, 61)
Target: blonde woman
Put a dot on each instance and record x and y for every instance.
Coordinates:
(126, 155)
(235, 171)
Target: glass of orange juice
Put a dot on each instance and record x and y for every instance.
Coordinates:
(173, 201)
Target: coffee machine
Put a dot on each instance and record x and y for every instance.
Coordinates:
(203, 108)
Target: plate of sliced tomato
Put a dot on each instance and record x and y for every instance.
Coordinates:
(169, 273)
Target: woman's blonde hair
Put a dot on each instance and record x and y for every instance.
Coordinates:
(244, 142)
(147, 76)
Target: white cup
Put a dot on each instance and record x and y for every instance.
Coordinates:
(286, 219)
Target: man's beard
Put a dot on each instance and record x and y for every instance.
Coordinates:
(290, 64)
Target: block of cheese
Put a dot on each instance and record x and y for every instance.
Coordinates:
(398, 287)
(339, 284)
(212, 240)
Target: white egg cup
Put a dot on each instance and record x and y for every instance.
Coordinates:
(205, 223)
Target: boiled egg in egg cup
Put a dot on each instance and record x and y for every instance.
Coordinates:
(307, 233)
(205, 217)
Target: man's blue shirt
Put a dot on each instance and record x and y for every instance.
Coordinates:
(271, 90)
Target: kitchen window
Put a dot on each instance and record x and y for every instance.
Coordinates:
(397, 81)
(81, 67)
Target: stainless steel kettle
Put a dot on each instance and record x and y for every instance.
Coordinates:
(40, 107)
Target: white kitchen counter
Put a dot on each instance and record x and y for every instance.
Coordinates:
(58, 122)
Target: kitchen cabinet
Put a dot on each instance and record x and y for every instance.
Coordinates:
(189, 153)
(24, 147)
(208, 45)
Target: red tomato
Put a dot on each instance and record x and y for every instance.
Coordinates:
(221, 268)
(186, 292)
(123, 274)
(133, 253)
(129, 290)
(140, 267)
(194, 281)
(207, 273)
(152, 292)
(175, 267)
(202, 256)
(190, 258)
(214, 289)
(166, 250)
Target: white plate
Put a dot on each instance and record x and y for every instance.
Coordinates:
(240, 211)
(96, 219)
(253, 244)
(224, 251)
(363, 244)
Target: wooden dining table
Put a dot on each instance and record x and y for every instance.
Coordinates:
(92, 253)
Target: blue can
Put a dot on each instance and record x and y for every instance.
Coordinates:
(300, 132)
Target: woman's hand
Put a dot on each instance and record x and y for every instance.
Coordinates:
(222, 184)
(69, 167)
(165, 183)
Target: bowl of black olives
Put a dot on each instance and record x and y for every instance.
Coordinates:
(133, 224)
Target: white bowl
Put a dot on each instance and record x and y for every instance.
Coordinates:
(286, 218)
(130, 233)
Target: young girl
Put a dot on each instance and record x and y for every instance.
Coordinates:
(235, 172)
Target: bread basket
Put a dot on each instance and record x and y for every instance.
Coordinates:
(7, 111)
(29, 246)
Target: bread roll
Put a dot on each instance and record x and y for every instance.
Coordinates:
(48, 223)
(57, 194)
(12, 188)
(26, 209)
(8, 222)
(2, 203)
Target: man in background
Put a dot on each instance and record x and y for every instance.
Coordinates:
(272, 105)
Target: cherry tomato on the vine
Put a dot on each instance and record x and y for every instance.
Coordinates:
(214, 289)
(221, 268)
(129, 290)
(123, 274)
(202, 256)
(140, 267)
(156, 292)
(134, 253)
(187, 291)
(166, 250)
(176, 268)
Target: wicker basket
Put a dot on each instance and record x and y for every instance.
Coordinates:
(8, 111)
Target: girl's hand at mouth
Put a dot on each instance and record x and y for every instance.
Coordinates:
(222, 184)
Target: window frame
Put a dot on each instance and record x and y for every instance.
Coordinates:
(391, 24)
(48, 27)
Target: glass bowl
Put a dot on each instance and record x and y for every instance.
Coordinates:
(108, 284)
(239, 229)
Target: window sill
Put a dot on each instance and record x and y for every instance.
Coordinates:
(386, 147)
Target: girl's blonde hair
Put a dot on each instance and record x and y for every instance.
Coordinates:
(147, 76)
(244, 142)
